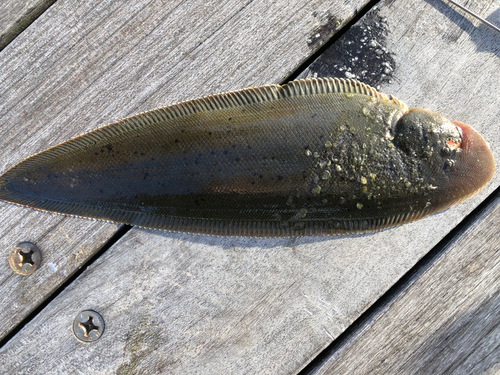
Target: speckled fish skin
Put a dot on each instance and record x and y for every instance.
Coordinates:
(313, 157)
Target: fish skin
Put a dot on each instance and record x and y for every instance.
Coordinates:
(313, 157)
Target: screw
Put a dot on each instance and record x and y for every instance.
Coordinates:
(25, 258)
(88, 326)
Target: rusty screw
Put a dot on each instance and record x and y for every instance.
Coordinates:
(25, 258)
(88, 326)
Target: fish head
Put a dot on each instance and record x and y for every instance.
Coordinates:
(451, 154)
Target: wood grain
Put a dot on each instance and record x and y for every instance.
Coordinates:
(179, 303)
(64, 246)
(15, 16)
(447, 322)
(85, 64)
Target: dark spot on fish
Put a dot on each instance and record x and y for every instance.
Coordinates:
(448, 165)
(280, 177)
(445, 151)
(237, 160)
(226, 152)
(108, 147)
(176, 140)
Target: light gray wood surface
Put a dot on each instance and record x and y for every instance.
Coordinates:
(447, 322)
(17, 15)
(181, 303)
(64, 245)
(85, 64)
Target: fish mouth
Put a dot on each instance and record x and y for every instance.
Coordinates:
(475, 163)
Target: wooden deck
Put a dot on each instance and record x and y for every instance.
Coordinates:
(420, 298)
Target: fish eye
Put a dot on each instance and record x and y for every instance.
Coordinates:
(453, 144)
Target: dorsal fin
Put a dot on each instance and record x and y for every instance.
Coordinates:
(252, 95)
(315, 86)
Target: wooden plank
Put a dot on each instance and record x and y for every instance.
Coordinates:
(64, 247)
(15, 16)
(84, 64)
(446, 322)
(181, 303)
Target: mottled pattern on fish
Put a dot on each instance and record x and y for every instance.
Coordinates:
(321, 156)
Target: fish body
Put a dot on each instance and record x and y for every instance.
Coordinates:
(312, 157)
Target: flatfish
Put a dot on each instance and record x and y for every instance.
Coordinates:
(310, 157)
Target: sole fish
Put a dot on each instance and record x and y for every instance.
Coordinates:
(311, 157)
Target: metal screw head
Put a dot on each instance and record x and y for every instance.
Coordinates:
(25, 258)
(88, 326)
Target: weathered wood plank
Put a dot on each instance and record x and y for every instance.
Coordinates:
(64, 247)
(15, 16)
(84, 64)
(446, 322)
(182, 303)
